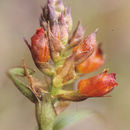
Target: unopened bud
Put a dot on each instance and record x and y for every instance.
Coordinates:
(40, 51)
(59, 6)
(68, 19)
(52, 14)
(55, 42)
(64, 29)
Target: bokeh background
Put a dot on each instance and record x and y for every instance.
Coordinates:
(19, 18)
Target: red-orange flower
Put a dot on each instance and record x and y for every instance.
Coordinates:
(94, 62)
(85, 48)
(39, 46)
(98, 85)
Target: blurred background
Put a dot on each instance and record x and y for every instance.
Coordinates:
(19, 18)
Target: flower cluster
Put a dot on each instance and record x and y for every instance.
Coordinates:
(64, 57)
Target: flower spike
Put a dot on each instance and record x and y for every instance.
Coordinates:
(63, 58)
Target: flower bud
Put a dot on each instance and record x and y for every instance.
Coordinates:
(56, 8)
(40, 52)
(52, 14)
(54, 42)
(63, 29)
(68, 19)
(98, 85)
(39, 46)
(94, 62)
(59, 19)
(59, 6)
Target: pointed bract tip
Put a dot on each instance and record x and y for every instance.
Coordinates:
(28, 45)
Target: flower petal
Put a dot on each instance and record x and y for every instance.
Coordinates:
(94, 62)
(98, 85)
(39, 46)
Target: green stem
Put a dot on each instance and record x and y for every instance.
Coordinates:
(45, 113)
(38, 114)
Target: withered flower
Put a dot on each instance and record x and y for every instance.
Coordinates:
(85, 48)
(40, 51)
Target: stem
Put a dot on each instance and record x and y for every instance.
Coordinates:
(45, 113)
(38, 114)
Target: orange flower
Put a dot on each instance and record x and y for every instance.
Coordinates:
(94, 62)
(98, 85)
(39, 46)
(85, 48)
